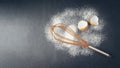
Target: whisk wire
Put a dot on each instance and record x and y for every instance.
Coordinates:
(60, 38)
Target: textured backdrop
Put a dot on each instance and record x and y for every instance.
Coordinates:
(22, 40)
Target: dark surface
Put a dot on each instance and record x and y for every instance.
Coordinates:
(23, 43)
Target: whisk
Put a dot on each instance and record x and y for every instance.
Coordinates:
(78, 42)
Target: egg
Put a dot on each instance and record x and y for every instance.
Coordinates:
(82, 25)
(94, 20)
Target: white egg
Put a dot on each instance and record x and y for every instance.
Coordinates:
(94, 20)
(82, 25)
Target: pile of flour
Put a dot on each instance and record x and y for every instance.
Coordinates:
(92, 36)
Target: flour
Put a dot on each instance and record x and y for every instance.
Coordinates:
(92, 36)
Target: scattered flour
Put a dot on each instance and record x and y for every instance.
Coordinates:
(92, 36)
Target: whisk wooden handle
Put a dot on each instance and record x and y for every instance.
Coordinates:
(99, 51)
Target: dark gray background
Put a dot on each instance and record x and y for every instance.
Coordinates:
(23, 43)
